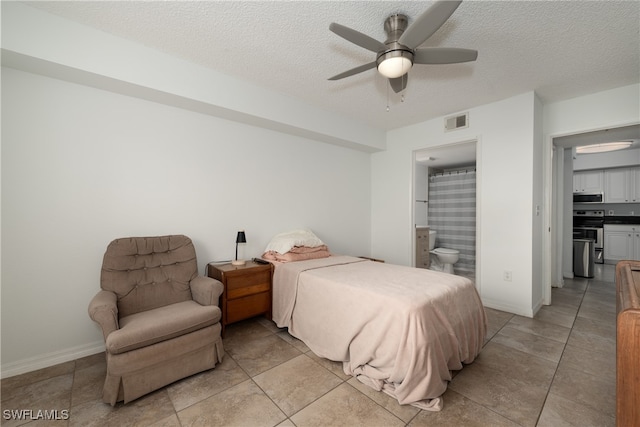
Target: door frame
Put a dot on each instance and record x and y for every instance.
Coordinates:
(445, 146)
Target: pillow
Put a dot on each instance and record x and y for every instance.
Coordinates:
(283, 242)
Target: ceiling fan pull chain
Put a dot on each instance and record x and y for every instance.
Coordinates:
(388, 84)
(405, 77)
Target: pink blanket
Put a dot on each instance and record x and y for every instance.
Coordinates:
(298, 253)
(398, 329)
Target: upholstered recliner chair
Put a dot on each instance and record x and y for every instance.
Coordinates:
(160, 320)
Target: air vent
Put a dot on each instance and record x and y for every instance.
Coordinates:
(460, 121)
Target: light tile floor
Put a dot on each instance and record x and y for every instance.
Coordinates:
(557, 369)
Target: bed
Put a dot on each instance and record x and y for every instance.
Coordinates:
(398, 329)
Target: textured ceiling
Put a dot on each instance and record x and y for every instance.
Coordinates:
(558, 49)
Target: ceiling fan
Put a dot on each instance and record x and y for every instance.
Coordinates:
(396, 56)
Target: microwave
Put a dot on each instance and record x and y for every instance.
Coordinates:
(588, 198)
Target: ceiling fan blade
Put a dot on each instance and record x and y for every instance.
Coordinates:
(428, 23)
(353, 71)
(357, 37)
(443, 55)
(399, 83)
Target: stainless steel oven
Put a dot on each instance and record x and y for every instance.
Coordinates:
(590, 225)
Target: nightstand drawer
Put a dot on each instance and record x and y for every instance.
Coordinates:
(247, 290)
(241, 286)
(243, 308)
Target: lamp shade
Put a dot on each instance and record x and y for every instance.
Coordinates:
(240, 238)
(394, 67)
(395, 63)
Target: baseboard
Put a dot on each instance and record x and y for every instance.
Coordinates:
(520, 311)
(50, 359)
(537, 307)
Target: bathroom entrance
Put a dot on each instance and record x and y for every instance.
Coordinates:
(445, 202)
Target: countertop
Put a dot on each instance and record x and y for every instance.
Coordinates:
(623, 220)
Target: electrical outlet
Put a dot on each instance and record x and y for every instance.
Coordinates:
(507, 276)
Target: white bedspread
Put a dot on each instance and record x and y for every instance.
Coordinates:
(398, 329)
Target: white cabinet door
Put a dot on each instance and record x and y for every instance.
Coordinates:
(622, 185)
(588, 182)
(619, 241)
(635, 185)
(618, 245)
(616, 186)
(592, 182)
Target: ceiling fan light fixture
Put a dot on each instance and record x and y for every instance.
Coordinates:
(396, 56)
(604, 147)
(395, 63)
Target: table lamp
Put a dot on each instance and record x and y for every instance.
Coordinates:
(240, 238)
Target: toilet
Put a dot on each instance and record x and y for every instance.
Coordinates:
(445, 258)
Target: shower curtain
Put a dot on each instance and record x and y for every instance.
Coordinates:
(452, 214)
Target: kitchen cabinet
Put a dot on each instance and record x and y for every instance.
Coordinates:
(621, 242)
(588, 182)
(622, 185)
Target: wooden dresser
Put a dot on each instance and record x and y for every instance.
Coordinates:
(628, 344)
(247, 290)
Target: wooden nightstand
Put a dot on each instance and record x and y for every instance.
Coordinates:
(247, 290)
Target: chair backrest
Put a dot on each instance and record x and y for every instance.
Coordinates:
(149, 272)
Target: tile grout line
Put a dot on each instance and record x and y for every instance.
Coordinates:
(564, 348)
(342, 382)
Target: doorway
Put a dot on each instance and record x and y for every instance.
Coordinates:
(563, 159)
(445, 184)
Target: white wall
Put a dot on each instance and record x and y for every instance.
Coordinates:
(505, 134)
(602, 110)
(82, 166)
(43, 43)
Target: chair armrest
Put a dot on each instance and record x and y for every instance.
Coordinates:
(103, 309)
(206, 290)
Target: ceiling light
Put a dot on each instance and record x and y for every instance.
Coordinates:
(395, 63)
(604, 147)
